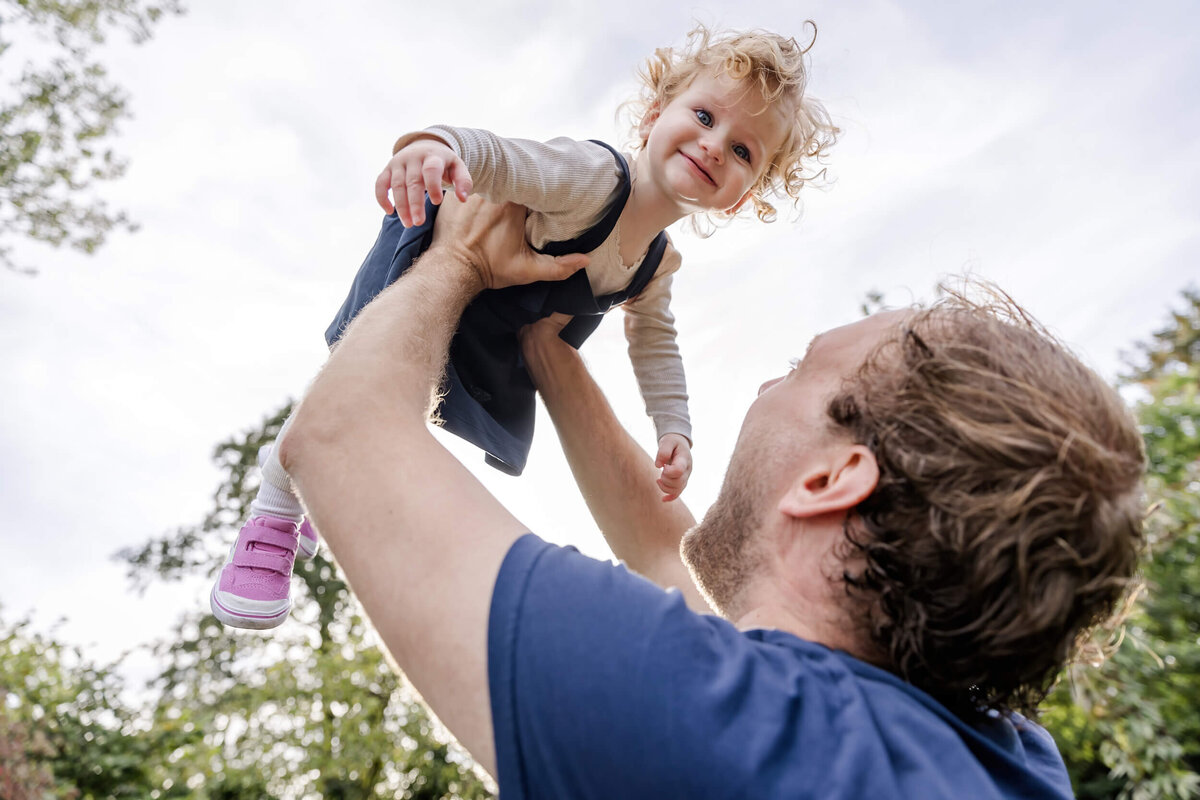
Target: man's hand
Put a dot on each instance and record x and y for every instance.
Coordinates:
(491, 238)
(544, 333)
(423, 166)
(675, 460)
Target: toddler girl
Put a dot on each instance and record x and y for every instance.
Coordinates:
(721, 123)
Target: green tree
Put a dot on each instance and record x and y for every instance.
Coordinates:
(58, 117)
(66, 730)
(312, 709)
(23, 773)
(1129, 729)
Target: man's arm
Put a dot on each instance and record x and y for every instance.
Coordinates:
(420, 540)
(617, 478)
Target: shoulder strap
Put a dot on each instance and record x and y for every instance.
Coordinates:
(594, 236)
(582, 326)
(648, 268)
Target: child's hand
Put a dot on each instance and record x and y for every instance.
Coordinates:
(421, 167)
(675, 459)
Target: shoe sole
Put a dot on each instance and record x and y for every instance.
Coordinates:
(307, 548)
(236, 619)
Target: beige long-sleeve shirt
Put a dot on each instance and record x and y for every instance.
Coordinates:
(568, 185)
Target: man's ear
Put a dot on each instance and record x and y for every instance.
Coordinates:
(648, 120)
(833, 485)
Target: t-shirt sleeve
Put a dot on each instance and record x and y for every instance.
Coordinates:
(603, 685)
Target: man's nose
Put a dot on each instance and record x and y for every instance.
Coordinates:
(769, 384)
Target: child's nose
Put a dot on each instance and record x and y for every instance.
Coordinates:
(712, 145)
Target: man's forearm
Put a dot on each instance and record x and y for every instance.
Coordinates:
(419, 539)
(401, 339)
(616, 477)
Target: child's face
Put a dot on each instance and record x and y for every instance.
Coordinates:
(711, 143)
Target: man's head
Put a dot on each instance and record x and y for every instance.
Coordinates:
(974, 489)
(770, 67)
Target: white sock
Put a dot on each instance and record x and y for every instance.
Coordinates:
(275, 494)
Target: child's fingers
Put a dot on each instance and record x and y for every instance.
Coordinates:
(459, 177)
(672, 480)
(400, 197)
(666, 453)
(382, 184)
(431, 174)
(416, 199)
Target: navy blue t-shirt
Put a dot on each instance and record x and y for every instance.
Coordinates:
(605, 686)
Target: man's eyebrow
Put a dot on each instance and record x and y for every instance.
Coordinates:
(796, 362)
(812, 342)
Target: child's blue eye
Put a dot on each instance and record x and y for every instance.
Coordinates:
(741, 151)
(705, 118)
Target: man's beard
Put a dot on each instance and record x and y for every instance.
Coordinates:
(719, 551)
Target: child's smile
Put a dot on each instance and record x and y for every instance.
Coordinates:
(699, 168)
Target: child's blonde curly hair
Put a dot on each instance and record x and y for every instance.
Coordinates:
(773, 63)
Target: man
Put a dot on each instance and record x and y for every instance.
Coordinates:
(916, 525)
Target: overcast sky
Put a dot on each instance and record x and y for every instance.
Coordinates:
(1051, 148)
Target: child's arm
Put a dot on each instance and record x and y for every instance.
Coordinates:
(658, 367)
(555, 176)
(619, 488)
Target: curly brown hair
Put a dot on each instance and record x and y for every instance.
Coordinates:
(1007, 521)
(776, 66)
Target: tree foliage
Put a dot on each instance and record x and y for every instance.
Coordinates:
(58, 116)
(65, 728)
(312, 709)
(1129, 729)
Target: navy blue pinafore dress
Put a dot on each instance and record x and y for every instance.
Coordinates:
(488, 395)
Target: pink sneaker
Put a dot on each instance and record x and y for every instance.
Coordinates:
(253, 589)
(309, 542)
